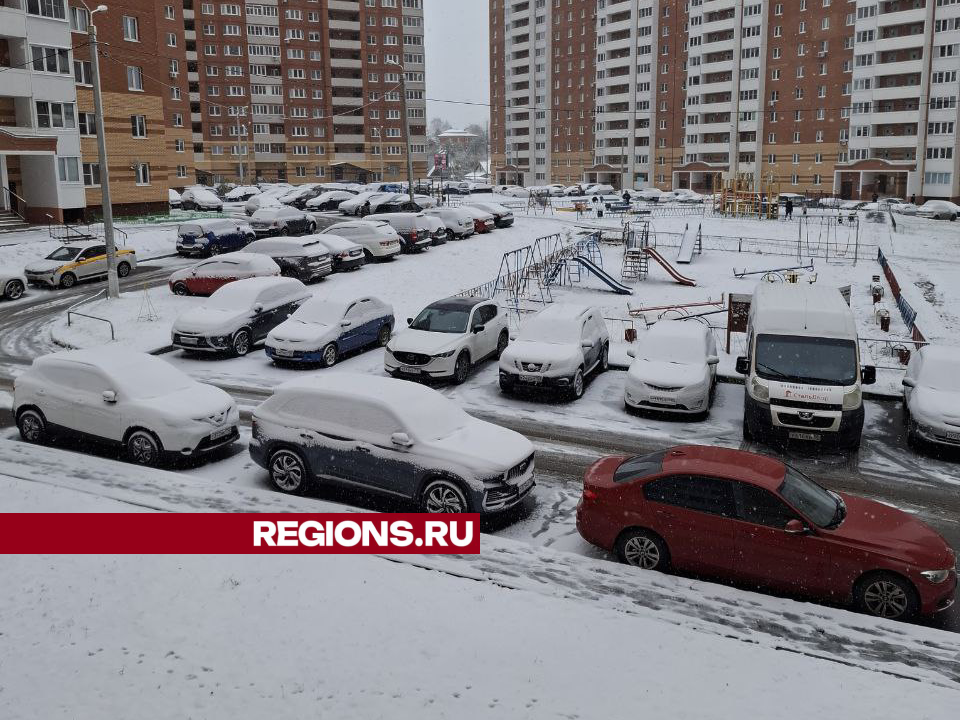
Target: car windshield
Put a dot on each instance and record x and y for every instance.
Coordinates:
(550, 330)
(191, 230)
(64, 253)
(941, 374)
(680, 350)
(433, 417)
(233, 296)
(320, 311)
(442, 318)
(820, 361)
(639, 467)
(821, 506)
(152, 380)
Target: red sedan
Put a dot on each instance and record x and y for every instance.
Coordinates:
(208, 276)
(747, 518)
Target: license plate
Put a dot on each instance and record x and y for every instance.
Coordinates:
(188, 341)
(663, 399)
(531, 379)
(222, 432)
(282, 352)
(815, 437)
(526, 486)
(953, 436)
(410, 370)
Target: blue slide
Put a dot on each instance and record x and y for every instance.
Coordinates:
(617, 287)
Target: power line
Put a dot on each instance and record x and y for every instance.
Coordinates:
(42, 58)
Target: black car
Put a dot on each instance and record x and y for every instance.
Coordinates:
(282, 220)
(396, 203)
(306, 259)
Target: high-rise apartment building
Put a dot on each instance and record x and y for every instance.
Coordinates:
(295, 90)
(837, 97)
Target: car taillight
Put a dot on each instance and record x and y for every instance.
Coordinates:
(413, 236)
(589, 494)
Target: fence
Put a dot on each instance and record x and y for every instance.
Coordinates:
(907, 312)
(823, 248)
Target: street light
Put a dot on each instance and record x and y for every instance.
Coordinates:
(113, 283)
(406, 125)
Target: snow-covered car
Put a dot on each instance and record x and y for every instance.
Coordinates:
(906, 209)
(304, 258)
(502, 216)
(377, 238)
(674, 369)
(556, 350)
(415, 231)
(555, 189)
(241, 193)
(328, 200)
(939, 210)
(424, 201)
(480, 187)
(447, 339)
(685, 195)
(238, 315)
(78, 261)
(323, 330)
(830, 202)
(852, 204)
(931, 395)
(300, 192)
(458, 224)
(392, 202)
(137, 401)
(197, 198)
(174, 199)
(283, 220)
(344, 253)
(11, 285)
(390, 436)
(436, 228)
(266, 199)
(650, 194)
(515, 191)
(599, 189)
(454, 187)
(483, 220)
(208, 276)
(574, 191)
(214, 236)
(360, 203)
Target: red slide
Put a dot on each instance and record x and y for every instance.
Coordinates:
(671, 270)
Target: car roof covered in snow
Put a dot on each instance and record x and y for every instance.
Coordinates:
(563, 311)
(801, 309)
(248, 289)
(252, 261)
(664, 329)
(724, 462)
(293, 245)
(116, 362)
(455, 303)
(212, 224)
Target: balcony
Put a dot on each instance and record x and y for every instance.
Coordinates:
(13, 23)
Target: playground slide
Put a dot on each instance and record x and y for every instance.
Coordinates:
(671, 270)
(687, 246)
(617, 287)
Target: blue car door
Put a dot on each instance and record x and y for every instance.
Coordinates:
(352, 335)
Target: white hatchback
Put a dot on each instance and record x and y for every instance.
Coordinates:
(377, 238)
(130, 399)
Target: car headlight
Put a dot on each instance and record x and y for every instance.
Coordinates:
(852, 399)
(936, 576)
(447, 354)
(759, 391)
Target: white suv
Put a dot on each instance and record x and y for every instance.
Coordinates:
(556, 349)
(447, 338)
(126, 398)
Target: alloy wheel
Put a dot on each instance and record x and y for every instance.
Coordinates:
(578, 384)
(287, 471)
(330, 355)
(68, 280)
(383, 337)
(442, 497)
(241, 343)
(31, 426)
(462, 368)
(885, 599)
(14, 290)
(180, 288)
(642, 552)
(142, 449)
(123, 269)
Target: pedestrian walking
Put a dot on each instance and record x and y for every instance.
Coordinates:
(598, 206)
(913, 199)
(789, 209)
(626, 196)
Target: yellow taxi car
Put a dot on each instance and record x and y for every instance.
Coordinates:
(77, 261)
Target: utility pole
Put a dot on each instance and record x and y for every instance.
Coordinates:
(406, 127)
(380, 139)
(113, 282)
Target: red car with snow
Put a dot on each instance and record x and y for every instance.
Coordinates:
(206, 277)
(750, 519)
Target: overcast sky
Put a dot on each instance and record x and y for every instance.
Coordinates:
(458, 66)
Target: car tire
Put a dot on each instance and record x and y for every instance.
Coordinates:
(68, 280)
(383, 335)
(143, 448)
(886, 595)
(329, 355)
(461, 368)
(283, 231)
(443, 496)
(123, 269)
(506, 387)
(748, 435)
(214, 250)
(180, 288)
(451, 235)
(576, 387)
(913, 437)
(241, 343)
(502, 343)
(642, 549)
(312, 227)
(13, 290)
(32, 426)
(288, 472)
(604, 363)
(367, 255)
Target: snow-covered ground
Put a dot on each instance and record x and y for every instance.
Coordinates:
(517, 631)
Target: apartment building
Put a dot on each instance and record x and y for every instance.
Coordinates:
(543, 75)
(295, 90)
(835, 97)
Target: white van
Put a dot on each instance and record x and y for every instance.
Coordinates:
(803, 374)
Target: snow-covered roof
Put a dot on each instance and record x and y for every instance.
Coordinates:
(246, 291)
(117, 362)
(801, 308)
(665, 329)
(453, 134)
(251, 261)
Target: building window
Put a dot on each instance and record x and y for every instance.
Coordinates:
(68, 169)
(50, 60)
(87, 122)
(131, 29)
(79, 19)
(91, 174)
(138, 126)
(82, 72)
(142, 171)
(134, 78)
(47, 8)
(181, 171)
(55, 115)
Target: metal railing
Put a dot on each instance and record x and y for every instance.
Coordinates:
(72, 310)
(14, 203)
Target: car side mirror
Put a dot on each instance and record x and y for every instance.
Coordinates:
(345, 323)
(795, 527)
(409, 321)
(109, 396)
(479, 328)
(401, 439)
(868, 375)
(713, 360)
(743, 365)
(586, 344)
(257, 309)
(908, 382)
(513, 336)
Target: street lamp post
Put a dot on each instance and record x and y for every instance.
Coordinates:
(406, 126)
(113, 282)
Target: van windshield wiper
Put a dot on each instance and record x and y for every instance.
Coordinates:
(770, 370)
